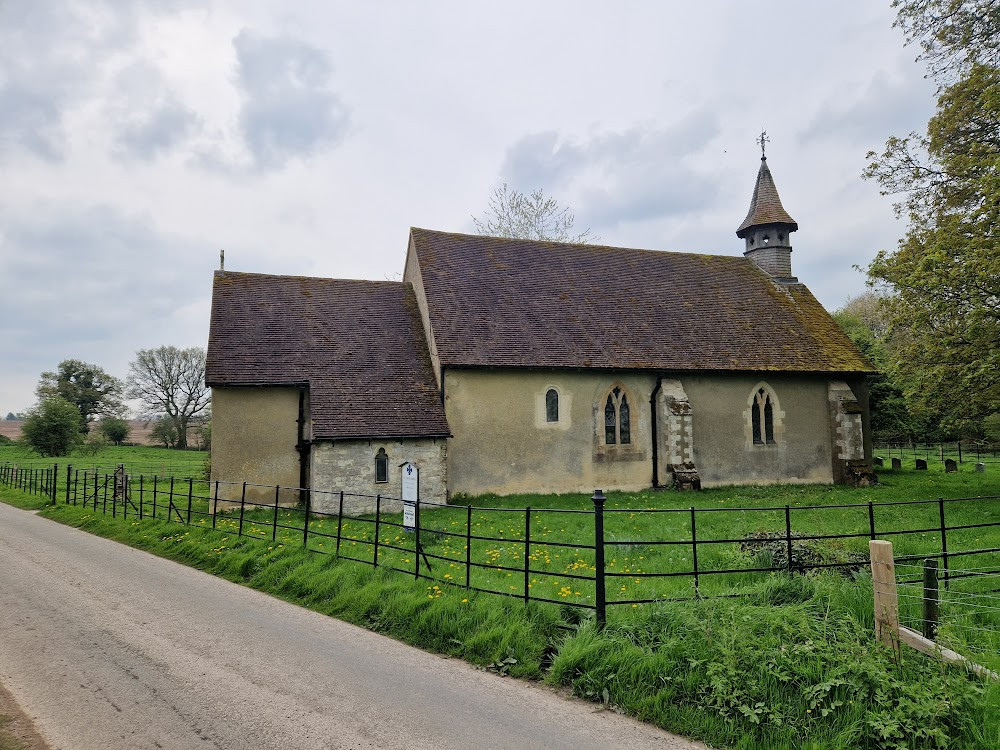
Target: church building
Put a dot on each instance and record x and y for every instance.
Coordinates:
(514, 366)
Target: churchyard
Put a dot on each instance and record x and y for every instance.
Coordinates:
(758, 659)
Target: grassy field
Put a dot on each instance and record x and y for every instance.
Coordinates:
(162, 462)
(791, 663)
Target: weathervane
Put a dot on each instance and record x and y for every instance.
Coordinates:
(762, 141)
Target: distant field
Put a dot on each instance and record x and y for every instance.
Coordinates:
(139, 435)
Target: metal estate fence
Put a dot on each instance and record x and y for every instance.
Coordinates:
(961, 452)
(590, 558)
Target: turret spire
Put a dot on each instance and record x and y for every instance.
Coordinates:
(768, 226)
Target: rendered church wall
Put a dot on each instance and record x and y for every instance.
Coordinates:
(723, 445)
(503, 444)
(254, 432)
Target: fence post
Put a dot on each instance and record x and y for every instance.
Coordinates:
(190, 496)
(55, 476)
(340, 521)
(871, 520)
(378, 518)
(599, 595)
(243, 502)
(788, 535)
(141, 498)
(527, 553)
(215, 503)
(305, 525)
(886, 599)
(944, 541)
(274, 522)
(694, 554)
(170, 501)
(468, 546)
(931, 599)
(418, 549)
(156, 482)
(960, 451)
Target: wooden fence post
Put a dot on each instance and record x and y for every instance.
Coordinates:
(886, 599)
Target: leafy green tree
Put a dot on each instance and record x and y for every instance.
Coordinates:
(945, 274)
(865, 320)
(94, 443)
(164, 432)
(52, 427)
(511, 213)
(115, 429)
(171, 382)
(95, 392)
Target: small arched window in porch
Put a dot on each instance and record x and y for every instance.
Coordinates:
(381, 466)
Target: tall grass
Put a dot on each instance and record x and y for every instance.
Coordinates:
(791, 664)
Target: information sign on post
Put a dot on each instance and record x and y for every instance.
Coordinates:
(411, 493)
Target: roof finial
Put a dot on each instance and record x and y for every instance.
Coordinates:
(222, 260)
(762, 141)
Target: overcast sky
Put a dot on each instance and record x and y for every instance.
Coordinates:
(138, 138)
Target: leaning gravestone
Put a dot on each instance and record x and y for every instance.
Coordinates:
(879, 463)
(921, 464)
(981, 468)
(950, 467)
(897, 464)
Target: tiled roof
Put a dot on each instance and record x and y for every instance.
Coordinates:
(522, 303)
(358, 344)
(765, 205)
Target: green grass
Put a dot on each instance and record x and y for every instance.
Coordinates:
(138, 459)
(790, 664)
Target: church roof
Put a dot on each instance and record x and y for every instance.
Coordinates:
(359, 346)
(520, 303)
(765, 205)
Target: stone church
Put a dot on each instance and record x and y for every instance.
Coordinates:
(507, 366)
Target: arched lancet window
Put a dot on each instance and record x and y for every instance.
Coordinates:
(551, 405)
(610, 420)
(381, 466)
(617, 419)
(624, 422)
(762, 418)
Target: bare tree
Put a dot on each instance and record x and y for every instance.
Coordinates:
(171, 381)
(511, 213)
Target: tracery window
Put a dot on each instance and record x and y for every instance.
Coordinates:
(762, 418)
(551, 405)
(381, 466)
(617, 419)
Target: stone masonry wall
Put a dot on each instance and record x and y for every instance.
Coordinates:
(349, 466)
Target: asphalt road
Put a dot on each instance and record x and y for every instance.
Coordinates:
(109, 648)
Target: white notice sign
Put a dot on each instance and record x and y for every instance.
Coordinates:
(411, 490)
(411, 479)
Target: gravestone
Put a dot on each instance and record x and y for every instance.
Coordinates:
(879, 463)
(981, 468)
(950, 467)
(921, 464)
(897, 464)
